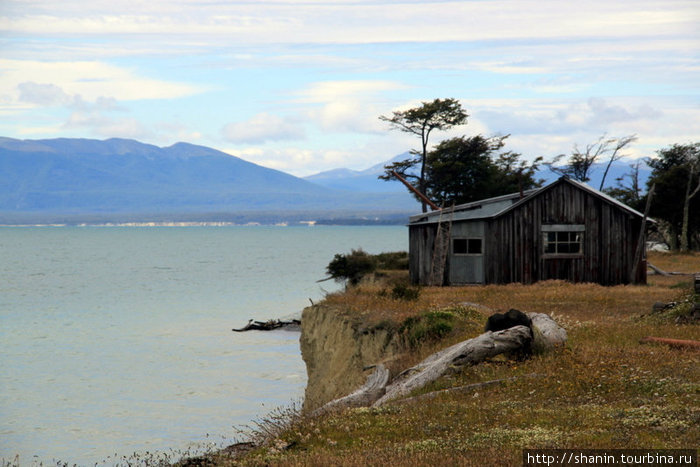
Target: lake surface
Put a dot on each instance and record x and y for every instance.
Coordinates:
(118, 340)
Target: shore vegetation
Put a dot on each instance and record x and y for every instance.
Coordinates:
(605, 389)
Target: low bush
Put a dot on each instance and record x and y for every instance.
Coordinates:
(428, 326)
(352, 267)
(405, 292)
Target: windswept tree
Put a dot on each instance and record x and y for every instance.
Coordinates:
(580, 164)
(440, 115)
(676, 173)
(628, 188)
(616, 145)
(460, 170)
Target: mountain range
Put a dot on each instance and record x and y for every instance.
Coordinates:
(365, 181)
(119, 180)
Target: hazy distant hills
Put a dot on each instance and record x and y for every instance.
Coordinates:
(120, 179)
(360, 180)
(366, 180)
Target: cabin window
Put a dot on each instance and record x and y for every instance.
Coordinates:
(563, 239)
(466, 246)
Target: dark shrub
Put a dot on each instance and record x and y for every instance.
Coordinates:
(351, 267)
(404, 292)
(354, 266)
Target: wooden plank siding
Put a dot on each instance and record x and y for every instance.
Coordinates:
(421, 239)
(516, 254)
(513, 247)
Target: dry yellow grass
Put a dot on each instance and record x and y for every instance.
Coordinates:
(687, 262)
(604, 390)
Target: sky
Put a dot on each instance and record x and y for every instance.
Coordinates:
(299, 85)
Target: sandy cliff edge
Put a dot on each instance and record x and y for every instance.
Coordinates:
(336, 350)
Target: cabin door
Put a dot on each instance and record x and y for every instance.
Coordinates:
(467, 253)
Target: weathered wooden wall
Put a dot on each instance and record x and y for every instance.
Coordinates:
(514, 252)
(421, 240)
(513, 241)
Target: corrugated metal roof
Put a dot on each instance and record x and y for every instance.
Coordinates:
(475, 210)
(493, 207)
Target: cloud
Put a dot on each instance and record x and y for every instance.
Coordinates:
(347, 115)
(48, 95)
(45, 82)
(263, 127)
(327, 91)
(565, 73)
(510, 67)
(42, 94)
(347, 105)
(604, 113)
(106, 126)
(566, 116)
(85, 98)
(288, 159)
(546, 127)
(302, 161)
(330, 22)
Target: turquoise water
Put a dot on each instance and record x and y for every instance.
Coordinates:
(118, 340)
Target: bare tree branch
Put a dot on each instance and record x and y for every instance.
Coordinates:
(620, 144)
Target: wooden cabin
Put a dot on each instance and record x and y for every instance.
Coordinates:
(565, 230)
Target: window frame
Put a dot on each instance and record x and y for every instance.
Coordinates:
(467, 245)
(576, 235)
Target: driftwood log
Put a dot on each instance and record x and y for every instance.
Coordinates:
(657, 270)
(269, 325)
(544, 334)
(661, 272)
(465, 353)
(372, 390)
(677, 343)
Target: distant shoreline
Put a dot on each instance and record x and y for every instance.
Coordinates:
(170, 219)
(206, 224)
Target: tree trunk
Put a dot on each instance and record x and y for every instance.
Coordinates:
(469, 352)
(641, 243)
(372, 390)
(544, 334)
(424, 159)
(672, 237)
(686, 208)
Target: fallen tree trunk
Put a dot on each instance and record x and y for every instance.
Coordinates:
(372, 390)
(469, 352)
(657, 270)
(544, 334)
(666, 273)
(268, 325)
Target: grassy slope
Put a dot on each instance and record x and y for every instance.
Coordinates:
(605, 390)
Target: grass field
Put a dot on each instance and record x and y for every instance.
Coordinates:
(603, 390)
